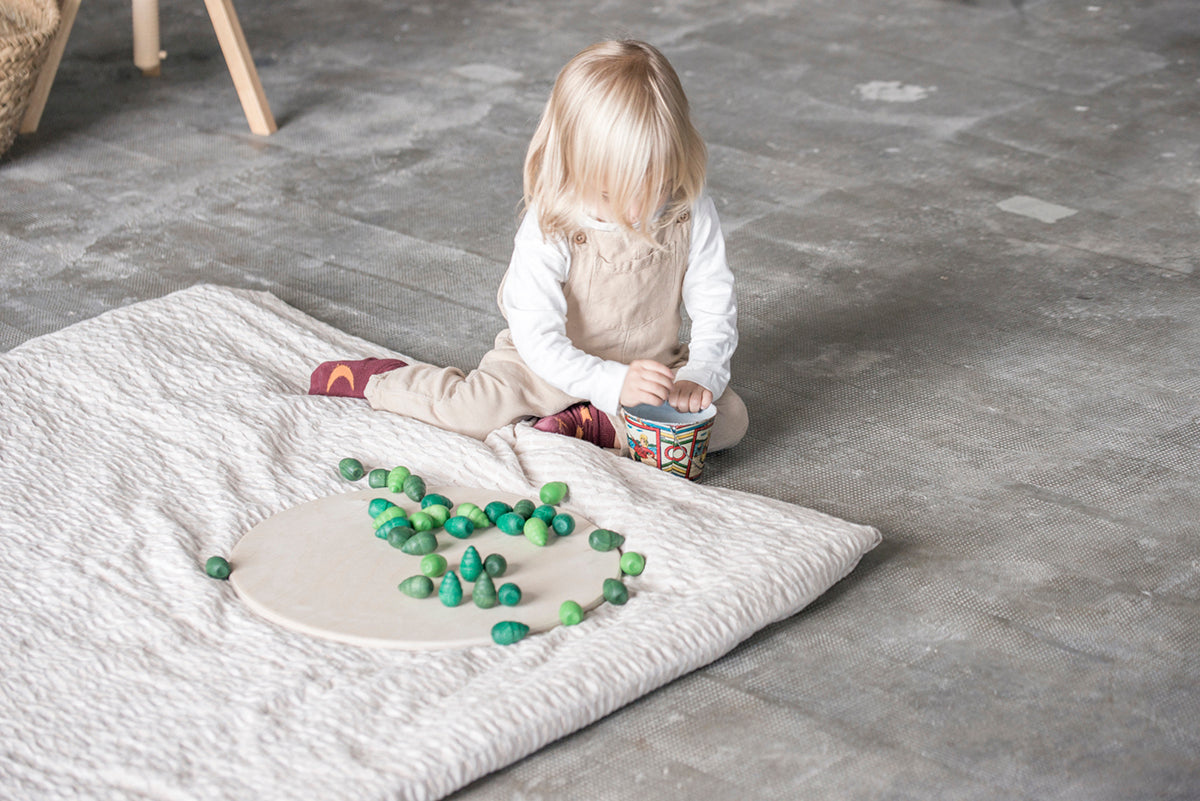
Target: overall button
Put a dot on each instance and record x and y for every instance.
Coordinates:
(581, 238)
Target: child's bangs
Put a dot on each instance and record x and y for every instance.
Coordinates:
(615, 139)
(632, 159)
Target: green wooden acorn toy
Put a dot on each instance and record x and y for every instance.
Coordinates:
(507, 632)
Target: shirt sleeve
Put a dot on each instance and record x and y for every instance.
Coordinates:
(711, 303)
(536, 309)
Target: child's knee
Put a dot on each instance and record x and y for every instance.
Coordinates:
(731, 423)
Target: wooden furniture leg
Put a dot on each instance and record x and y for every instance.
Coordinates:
(45, 79)
(146, 43)
(147, 57)
(241, 66)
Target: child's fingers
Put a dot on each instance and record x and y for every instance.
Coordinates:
(636, 397)
(654, 376)
(691, 401)
(647, 382)
(664, 371)
(655, 391)
(648, 368)
(652, 399)
(688, 396)
(653, 366)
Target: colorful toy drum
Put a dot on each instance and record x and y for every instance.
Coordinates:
(673, 441)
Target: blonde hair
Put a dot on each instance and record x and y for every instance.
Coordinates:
(615, 133)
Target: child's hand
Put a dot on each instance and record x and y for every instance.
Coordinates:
(647, 381)
(688, 396)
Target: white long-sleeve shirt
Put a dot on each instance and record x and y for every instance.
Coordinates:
(536, 309)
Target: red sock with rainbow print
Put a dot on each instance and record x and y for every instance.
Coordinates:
(348, 379)
(582, 421)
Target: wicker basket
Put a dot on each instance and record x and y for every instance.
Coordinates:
(26, 28)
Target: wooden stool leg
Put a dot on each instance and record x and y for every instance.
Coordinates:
(45, 79)
(241, 66)
(146, 43)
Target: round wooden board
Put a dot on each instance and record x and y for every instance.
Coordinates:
(319, 569)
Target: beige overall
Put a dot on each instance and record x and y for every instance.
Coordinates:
(623, 303)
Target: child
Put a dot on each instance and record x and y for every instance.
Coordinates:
(616, 236)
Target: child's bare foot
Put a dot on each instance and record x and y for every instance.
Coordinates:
(348, 379)
(582, 421)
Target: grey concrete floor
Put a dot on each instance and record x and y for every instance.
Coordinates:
(1012, 400)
